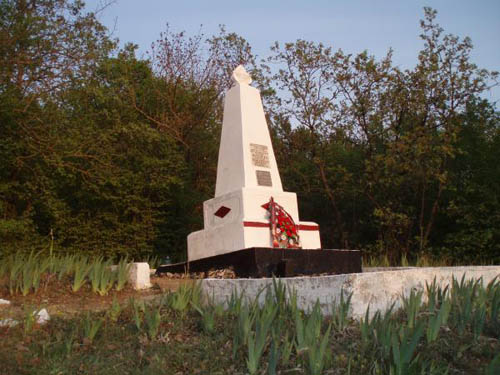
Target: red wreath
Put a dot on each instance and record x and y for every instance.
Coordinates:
(284, 232)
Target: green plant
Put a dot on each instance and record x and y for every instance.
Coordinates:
(101, 276)
(412, 305)
(95, 273)
(340, 312)
(152, 319)
(138, 308)
(318, 352)
(16, 263)
(80, 271)
(66, 266)
(242, 328)
(207, 318)
(184, 296)
(115, 310)
(234, 303)
(310, 341)
(438, 320)
(30, 317)
(435, 295)
(403, 348)
(30, 277)
(122, 271)
(68, 342)
(286, 349)
(493, 311)
(91, 326)
(494, 366)
(256, 341)
(468, 305)
(273, 357)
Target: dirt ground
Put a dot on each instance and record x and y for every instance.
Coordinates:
(59, 299)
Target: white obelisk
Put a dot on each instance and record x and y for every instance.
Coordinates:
(247, 177)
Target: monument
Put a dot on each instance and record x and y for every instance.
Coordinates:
(247, 178)
(251, 224)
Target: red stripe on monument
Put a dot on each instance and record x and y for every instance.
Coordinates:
(256, 224)
(308, 227)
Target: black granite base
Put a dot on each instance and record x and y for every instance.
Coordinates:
(267, 262)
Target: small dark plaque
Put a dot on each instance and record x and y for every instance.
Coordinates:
(222, 211)
(264, 178)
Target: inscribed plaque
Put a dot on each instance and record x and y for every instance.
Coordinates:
(260, 155)
(264, 178)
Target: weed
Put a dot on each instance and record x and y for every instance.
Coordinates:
(122, 270)
(412, 305)
(115, 310)
(403, 348)
(30, 317)
(152, 319)
(90, 327)
(256, 341)
(207, 318)
(340, 312)
(242, 329)
(138, 308)
(81, 270)
(437, 321)
(184, 296)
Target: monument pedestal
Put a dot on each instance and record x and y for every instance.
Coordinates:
(237, 220)
(267, 262)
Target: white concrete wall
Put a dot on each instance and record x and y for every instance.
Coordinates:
(375, 289)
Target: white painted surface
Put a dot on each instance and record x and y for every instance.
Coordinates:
(375, 289)
(244, 129)
(310, 238)
(244, 124)
(139, 276)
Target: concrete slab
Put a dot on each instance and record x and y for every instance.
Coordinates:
(139, 276)
(377, 289)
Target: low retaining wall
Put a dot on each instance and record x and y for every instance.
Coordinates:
(375, 289)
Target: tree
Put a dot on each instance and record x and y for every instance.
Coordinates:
(469, 225)
(45, 48)
(403, 125)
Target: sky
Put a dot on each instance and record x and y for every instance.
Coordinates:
(352, 25)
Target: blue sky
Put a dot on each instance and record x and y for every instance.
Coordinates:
(354, 26)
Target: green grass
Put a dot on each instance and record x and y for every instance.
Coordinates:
(456, 331)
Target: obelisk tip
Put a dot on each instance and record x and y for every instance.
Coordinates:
(241, 76)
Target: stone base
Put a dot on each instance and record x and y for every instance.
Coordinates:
(237, 221)
(268, 262)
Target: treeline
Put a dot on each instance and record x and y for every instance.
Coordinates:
(103, 152)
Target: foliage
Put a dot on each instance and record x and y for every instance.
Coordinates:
(379, 144)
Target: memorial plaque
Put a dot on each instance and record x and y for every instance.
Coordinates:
(260, 155)
(264, 178)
